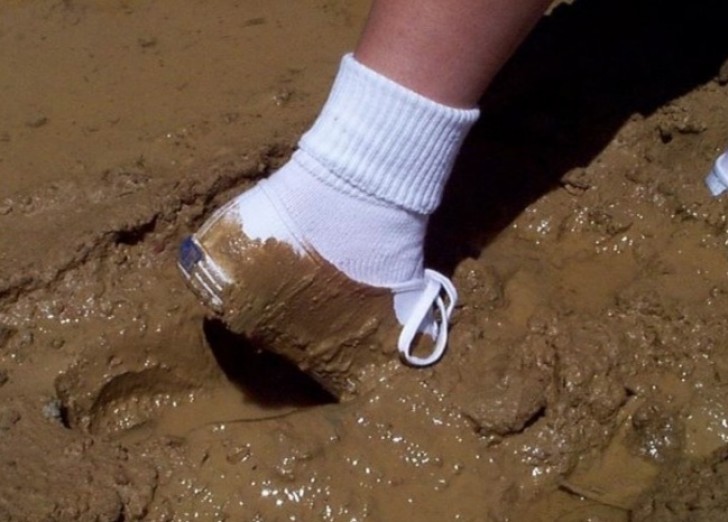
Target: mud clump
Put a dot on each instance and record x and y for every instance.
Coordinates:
(75, 478)
(657, 432)
(692, 491)
(514, 392)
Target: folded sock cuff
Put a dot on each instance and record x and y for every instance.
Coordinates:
(381, 139)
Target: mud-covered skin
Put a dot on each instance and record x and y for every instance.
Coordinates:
(342, 333)
(586, 373)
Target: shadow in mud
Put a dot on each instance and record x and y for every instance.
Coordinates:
(264, 377)
(584, 71)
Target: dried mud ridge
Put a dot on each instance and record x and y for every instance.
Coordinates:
(195, 193)
(587, 368)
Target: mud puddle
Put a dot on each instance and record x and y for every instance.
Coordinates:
(587, 369)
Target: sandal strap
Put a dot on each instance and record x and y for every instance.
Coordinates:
(438, 296)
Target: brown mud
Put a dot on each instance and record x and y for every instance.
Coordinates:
(585, 379)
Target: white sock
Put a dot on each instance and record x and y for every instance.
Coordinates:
(365, 179)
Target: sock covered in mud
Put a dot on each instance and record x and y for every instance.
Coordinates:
(366, 177)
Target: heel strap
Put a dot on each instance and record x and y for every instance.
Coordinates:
(438, 296)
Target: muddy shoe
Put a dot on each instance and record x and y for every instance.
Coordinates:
(287, 299)
(717, 180)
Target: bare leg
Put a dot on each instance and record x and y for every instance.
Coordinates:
(448, 51)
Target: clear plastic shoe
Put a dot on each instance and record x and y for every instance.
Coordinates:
(285, 298)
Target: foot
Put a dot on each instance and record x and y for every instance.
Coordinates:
(281, 293)
(322, 262)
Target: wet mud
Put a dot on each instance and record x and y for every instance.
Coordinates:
(585, 378)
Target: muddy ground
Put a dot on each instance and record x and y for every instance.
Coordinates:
(587, 370)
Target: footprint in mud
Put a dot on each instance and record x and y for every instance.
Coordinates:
(124, 387)
(123, 402)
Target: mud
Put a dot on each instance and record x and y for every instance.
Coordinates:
(586, 373)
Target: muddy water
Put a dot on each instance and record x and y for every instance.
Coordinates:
(586, 374)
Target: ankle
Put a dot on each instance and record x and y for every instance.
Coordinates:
(385, 140)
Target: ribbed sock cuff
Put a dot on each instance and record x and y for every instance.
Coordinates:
(381, 139)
